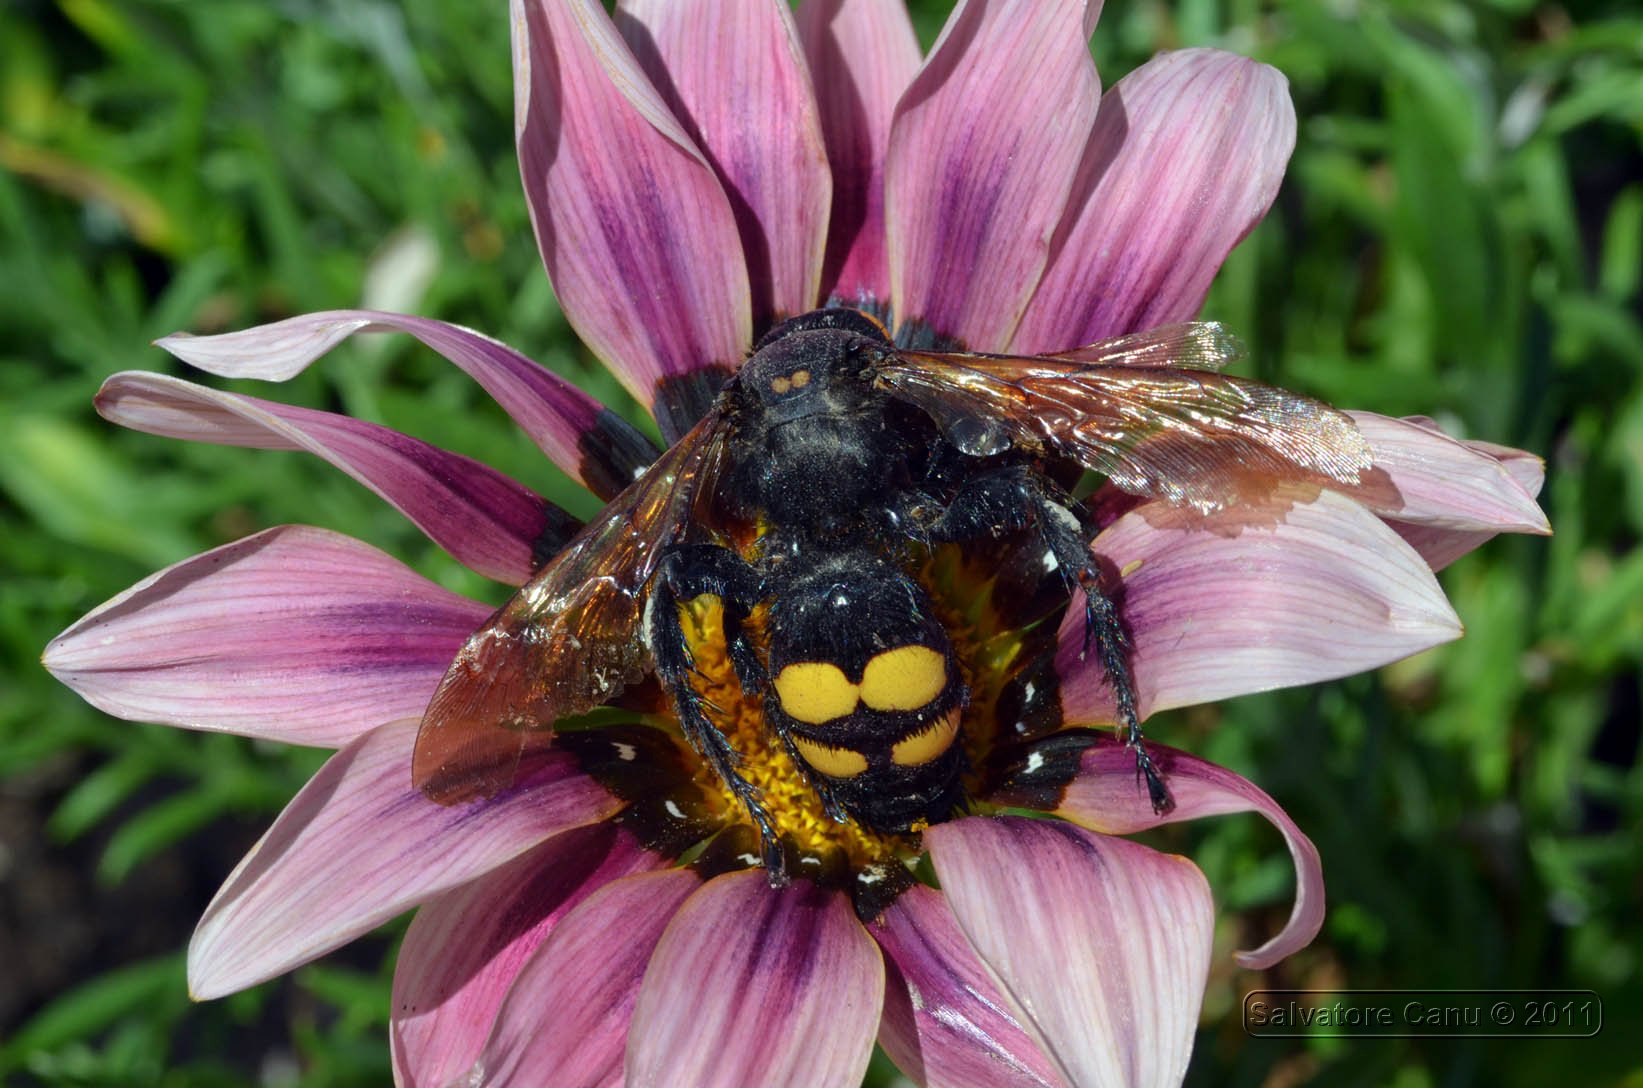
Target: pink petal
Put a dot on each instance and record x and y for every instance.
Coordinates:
(295, 634)
(1090, 779)
(1440, 546)
(566, 1020)
(636, 233)
(734, 75)
(945, 1022)
(465, 948)
(1105, 943)
(1448, 484)
(360, 844)
(1185, 157)
(862, 55)
(751, 985)
(588, 441)
(983, 151)
(488, 522)
(1217, 612)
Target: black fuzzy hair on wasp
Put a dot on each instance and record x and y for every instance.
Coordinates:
(846, 451)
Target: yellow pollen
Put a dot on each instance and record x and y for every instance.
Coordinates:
(905, 678)
(800, 378)
(780, 385)
(930, 743)
(791, 800)
(987, 653)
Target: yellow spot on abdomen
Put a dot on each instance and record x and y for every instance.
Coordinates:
(905, 678)
(833, 762)
(929, 744)
(815, 691)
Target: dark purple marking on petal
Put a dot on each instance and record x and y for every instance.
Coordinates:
(360, 844)
(466, 947)
(945, 1021)
(634, 228)
(578, 434)
(487, 521)
(565, 1022)
(862, 55)
(755, 985)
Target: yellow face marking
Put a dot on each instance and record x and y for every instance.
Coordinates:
(905, 678)
(833, 762)
(780, 385)
(929, 743)
(800, 378)
(815, 691)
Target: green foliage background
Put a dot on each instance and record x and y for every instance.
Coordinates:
(1461, 235)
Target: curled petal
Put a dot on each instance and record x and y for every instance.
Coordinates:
(360, 844)
(753, 985)
(465, 949)
(566, 1019)
(862, 55)
(487, 521)
(1326, 591)
(945, 1023)
(1185, 157)
(636, 233)
(1102, 945)
(1449, 484)
(1090, 780)
(295, 634)
(734, 74)
(588, 441)
(983, 151)
(1441, 546)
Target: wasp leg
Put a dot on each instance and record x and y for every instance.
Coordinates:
(685, 573)
(1017, 497)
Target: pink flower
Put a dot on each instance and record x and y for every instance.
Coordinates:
(695, 172)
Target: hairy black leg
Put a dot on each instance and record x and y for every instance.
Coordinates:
(685, 573)
(1015, 497)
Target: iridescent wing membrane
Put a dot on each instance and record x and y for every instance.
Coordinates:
(570, 639)
(1146, 411)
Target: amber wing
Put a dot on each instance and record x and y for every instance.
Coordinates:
(1173, 430)
(569, 640)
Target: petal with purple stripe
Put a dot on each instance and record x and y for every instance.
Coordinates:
(359, 844)
(755, 985)
(734, 74)
(983, 151)
(636, 232)
(487, 521)
(566, 1020)
(945, 1022)
(1104, 944)
(295, 634)
(862, 55)
(1185, 157)
(1090, 779)
(1326, 591)
(464, 949)
(588, 441)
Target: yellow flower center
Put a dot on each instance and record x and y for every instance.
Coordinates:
(962, 592)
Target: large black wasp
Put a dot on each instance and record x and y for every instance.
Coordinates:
(845, 451)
